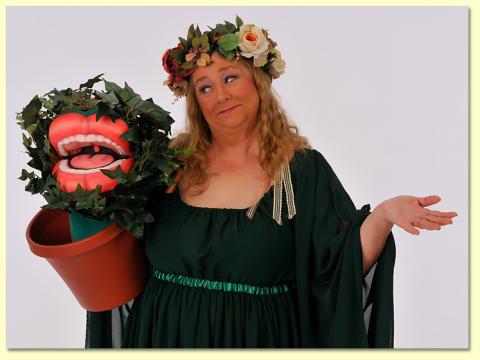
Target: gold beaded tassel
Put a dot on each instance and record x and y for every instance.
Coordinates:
(252, 209)
(277, 198)
(286, 180)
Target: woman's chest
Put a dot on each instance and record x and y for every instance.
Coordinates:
(221, 243)
(231, 190)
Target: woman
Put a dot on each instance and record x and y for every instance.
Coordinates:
(234, 263)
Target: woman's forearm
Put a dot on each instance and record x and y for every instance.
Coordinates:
(373, 236)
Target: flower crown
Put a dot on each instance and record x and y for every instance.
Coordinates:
(232, 41)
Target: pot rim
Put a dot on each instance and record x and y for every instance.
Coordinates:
(70, 249)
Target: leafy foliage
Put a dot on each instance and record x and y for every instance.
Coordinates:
(149, 127)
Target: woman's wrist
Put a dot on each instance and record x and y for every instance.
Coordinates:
(380, 213)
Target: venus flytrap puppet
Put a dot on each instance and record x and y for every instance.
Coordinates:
(99, 154)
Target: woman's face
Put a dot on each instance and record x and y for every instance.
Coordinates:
(226, 85)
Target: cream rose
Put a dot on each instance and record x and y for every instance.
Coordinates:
(278, 66)
(253, 42)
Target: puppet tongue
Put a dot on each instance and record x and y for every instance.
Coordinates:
(88, 161)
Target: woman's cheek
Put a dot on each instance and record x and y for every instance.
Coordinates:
(206, 106)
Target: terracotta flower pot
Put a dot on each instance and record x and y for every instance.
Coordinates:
(103, 271)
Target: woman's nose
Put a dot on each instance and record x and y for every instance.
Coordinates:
(222, 93)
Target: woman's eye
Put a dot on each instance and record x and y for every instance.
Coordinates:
(230, 77)
(202, 89)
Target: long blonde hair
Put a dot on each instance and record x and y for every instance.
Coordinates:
(278, 137)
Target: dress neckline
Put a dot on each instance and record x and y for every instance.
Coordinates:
(177, 193)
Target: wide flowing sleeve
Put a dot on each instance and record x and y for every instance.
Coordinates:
(106, 329)
(338, 306)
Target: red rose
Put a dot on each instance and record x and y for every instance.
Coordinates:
(169, 63)
(183, 74)
(173, 68)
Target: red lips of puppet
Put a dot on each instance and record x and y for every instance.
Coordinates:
(85, 146)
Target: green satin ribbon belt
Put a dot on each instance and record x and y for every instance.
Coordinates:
(222, 285)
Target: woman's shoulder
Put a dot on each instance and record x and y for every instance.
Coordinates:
(310, 167)
(306, 158)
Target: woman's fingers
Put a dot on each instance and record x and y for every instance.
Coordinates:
(439, 220)
(409, 228)
(425, 224)
(429, 200)
(445, 214)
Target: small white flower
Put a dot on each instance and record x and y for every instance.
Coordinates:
(278, 66)
(260, 60)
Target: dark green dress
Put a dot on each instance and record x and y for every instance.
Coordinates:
(220, 279)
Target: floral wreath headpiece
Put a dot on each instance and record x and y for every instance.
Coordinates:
(232, 41)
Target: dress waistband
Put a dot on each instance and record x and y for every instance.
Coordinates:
(222, 285)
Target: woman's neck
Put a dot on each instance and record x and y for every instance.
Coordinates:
(234, 148)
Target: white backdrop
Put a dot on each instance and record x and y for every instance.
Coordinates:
(381, 92)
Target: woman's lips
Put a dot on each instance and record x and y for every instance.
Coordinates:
(228, 110)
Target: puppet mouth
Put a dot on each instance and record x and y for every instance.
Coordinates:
(86, 146)
(86, 154)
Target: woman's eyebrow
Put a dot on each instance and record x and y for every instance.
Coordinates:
(220, 70)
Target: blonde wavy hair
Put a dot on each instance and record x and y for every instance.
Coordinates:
(278, 137)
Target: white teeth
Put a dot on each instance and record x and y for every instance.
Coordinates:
(67, 169)
(120, 150)
(99, 139)
(61, 151)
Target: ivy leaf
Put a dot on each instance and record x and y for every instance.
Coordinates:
(104, 110)
(30, 112)
(221, 29)
(109, 97)
(187, 65)
(31, 129)
(26, 175)
(48, 104)
(163, 165)
(231, 28)
(27, 141)
(35, 163)
(230, 55)
(135, 102)
(238, 21)
(132, 134)
(116, 174)
(112, 87)
(228, 42)
(127, 93)
(51, 182)
(183, 42)
(191, 33)
(179, 55)
(198, 33)
(156, 113)
(90, 82)
(204, 43)
(186, 151)
(196, 42)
